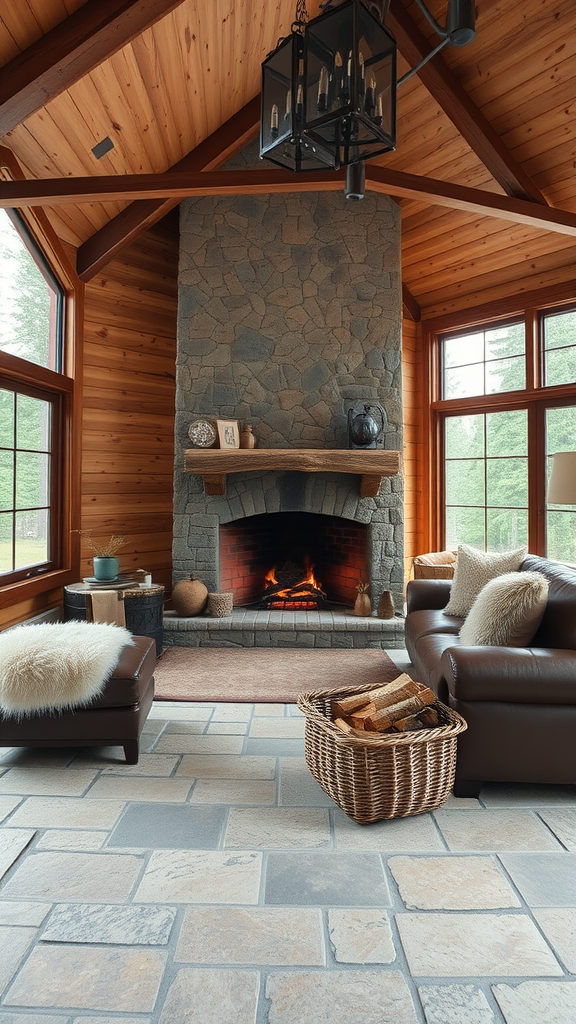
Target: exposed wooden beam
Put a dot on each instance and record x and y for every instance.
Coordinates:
(179, 185)
(214, 151)
(410, 305)
(69, 51)
(445, 88)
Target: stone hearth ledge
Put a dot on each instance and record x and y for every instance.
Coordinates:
(321, 629)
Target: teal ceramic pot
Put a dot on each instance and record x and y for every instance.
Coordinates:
(105, 568)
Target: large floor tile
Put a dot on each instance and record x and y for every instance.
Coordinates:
(207, 766)
(326, 879)
(562, 822)
(115, 787)
(90, 977)
(74, 877)
(39, 782)
(559, 927)
(12, 842)
(23, 913)
(537, 1002)
(455, 1004)
(397, 835)
(59, 812)
(179, 743)
(283, 728)
(14, 943)
(361, 936)
(122, 926)
(337, 996)
(277, 827)
(71, 839)
(452, 883)
(544, 879)
(234, 791)
(203, 996)
(169, 826)
(280, 936)
(159, 765)
(7, 805)
(298, 788)
(494, 830)
(183, 876)
(469, 945)
(281, 747)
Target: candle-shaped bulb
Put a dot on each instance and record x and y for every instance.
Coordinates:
(379, 110)
(361, 80)
(370, 102)
(299, 100)
(274, 121)
(322, 104)
(288, 109)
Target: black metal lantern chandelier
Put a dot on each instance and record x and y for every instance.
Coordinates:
(329, 88)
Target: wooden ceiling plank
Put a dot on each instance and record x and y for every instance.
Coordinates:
(210, 154)
(71, 50)
(454, 100)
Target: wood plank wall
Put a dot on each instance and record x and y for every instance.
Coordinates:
(129, 389)
(415, 501)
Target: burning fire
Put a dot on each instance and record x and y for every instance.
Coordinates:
(308, 577)
(299, 595)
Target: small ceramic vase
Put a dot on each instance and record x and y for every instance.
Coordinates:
(105, 568)
(247, 439)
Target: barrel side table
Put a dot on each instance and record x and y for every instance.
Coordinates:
(143, 607)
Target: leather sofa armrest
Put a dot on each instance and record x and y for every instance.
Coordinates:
(426, 594)
(519, 675)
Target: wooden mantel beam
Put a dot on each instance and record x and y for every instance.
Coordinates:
(445, 88)
(71, 50)
(65, 191)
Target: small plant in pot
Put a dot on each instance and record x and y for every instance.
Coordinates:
(104, 557)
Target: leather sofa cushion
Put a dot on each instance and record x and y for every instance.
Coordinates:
(431, 621)
(558, 626)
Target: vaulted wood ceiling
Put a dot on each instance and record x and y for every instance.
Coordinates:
(174, 84)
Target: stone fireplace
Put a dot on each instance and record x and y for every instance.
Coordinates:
(289, 315)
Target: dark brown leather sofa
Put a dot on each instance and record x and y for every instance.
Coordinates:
(519, 703)
(115, 718)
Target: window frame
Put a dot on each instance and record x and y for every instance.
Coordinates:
(536, 397)
(62, 388)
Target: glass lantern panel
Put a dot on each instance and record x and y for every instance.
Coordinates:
(276, 119)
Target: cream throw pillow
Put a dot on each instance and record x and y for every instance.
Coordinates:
(507, 612)
(473, 571)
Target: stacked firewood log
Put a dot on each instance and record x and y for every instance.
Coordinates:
(400, 706)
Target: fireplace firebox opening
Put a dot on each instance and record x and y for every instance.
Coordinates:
(293, 560)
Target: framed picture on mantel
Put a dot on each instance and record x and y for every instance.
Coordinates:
(228, 433)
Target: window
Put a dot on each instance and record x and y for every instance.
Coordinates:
(506, 403)
(34, 396)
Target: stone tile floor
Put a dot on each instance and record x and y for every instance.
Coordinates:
(215, 883)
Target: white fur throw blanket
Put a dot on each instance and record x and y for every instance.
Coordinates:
(56, 666)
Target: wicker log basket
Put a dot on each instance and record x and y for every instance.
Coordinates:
(390, 775)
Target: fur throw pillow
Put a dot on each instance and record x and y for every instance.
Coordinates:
(56, 666)
(474, 569)
(507, 612)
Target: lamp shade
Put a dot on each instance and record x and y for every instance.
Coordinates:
(562, 484)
